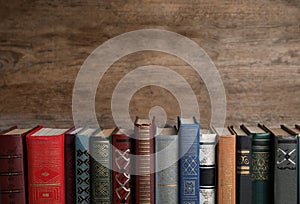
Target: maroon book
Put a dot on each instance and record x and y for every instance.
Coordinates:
(144, 147)
(70, 181)
(122, 179)
(13, 165)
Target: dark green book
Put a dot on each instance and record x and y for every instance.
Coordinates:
(101, 165)
(261, 165)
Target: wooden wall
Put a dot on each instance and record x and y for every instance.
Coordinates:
(255, 45)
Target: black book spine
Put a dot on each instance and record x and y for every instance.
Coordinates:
(243, 171)
(285, 169)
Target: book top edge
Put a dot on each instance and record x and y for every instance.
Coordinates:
(223, 132)
(104, 133)
(279, 132)
(124, 131)
(49, 132)
(255, 130)
(17, 132)
(188, 121)
(166, 131)
(87, 131)
(77, 130)
(143, 121)
(239, 132)
(295, 130)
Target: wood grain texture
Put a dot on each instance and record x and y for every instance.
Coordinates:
(255, 46)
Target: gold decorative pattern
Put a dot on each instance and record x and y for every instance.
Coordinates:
(260, 166)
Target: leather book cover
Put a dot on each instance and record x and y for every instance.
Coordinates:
(297, 130)
(189, 175)
(285, 168)
(13, 168)
(122, 164)
(226, 159)
(46, 180)
(208, 142)
(144, 163)
(70, 165)
(243, 166)
(166, 177)
(262, 181)
(82, 165)
(100, 164)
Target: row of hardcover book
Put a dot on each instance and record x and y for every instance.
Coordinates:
(183, 164)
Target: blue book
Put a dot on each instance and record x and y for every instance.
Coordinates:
(82, 166)
(166, 164)
(189, 175)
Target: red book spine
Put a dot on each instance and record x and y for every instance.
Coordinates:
(70, 168)
(122, 181)
(46, 182)
(144, 180)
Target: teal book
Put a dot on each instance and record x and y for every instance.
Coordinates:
(166, 177)
(285, 165)
(82, 166)
(262, 187)
(189, 163)
(101, 165)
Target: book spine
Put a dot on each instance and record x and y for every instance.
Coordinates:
(243, 169)
(70, 168)
(226, 170)
(207, 170)
(101, 178)
(167, 179)
(189, 164)
(12, 172)
(82, 167)
(46, 179)
(285, 170)
(298, 168)
(144, 180)
(261, 169)
(122, 181)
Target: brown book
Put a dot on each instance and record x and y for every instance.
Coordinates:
(226, 160)
(144, 150)
(13, 165)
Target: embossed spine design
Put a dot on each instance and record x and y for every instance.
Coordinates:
(244, 168)
(261, 180)
(122, 185)
(166, 179)
(189, 163)
(82, 157)
(144, 186)
(285, 169)
(101, 178)
(226, 170)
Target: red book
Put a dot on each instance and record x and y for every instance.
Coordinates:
(46, 180)
(12, 168)
(122, 180)
(144, 147)
(70, 174)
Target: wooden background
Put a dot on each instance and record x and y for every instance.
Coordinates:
(255, 45)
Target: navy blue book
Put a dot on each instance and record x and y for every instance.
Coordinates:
(189, 175)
